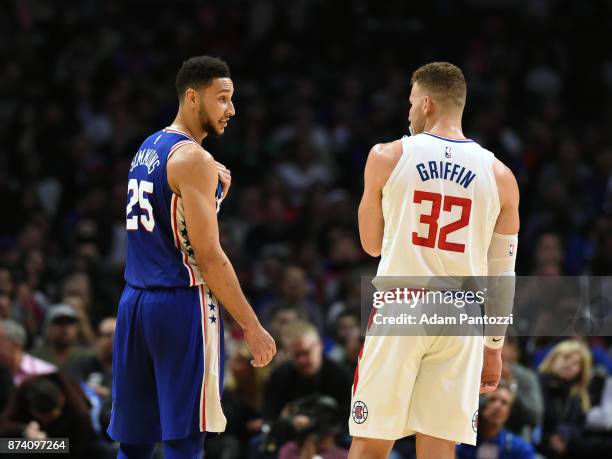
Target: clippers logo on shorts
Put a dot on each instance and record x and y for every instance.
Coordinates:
(475, 422)
(359, 412)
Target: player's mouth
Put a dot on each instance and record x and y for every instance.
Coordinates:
(223, 123)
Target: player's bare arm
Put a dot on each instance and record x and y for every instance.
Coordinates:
(381, 161)
(193, 175)
(507, 224)
(508, 220)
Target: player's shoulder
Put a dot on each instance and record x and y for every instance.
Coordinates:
(386, 153)
(502, 172)
(507, 185)
(192, 154)
(382, 159)
(190, 163)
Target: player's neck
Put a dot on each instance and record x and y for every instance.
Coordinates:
(193, 130)
(449, 128)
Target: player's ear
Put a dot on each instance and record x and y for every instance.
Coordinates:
(427, 105)
(191, 96)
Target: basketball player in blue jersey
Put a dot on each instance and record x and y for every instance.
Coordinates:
(168, 355)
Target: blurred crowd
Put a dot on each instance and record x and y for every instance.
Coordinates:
(317, 84)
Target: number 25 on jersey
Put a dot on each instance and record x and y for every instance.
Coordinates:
(138, 192)
(431, 219)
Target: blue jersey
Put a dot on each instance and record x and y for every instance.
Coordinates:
(159, 254)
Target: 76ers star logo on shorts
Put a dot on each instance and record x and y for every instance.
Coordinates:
(359, 412)
(475, 421)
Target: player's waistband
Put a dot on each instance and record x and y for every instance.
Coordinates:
(163, 288)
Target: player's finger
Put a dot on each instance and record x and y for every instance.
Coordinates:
(221, 167)
(261, 359)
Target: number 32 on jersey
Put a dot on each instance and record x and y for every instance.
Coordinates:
(431, 219)
(138, 192)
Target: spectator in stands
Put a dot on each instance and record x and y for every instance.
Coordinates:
(52, 406)
(307, 373)
(315, 423)
(5, 306)
(494, 441)
(565, 375)
(528, 405)
(86, 334)
(95, 366)
(347, 339)
(13, 356)
(295, 294)
(61, 343)
(280, 316)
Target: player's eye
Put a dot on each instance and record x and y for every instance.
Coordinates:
(222, 98)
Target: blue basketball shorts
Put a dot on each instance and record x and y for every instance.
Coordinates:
(167, 365)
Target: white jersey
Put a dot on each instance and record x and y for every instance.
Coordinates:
(440, 206)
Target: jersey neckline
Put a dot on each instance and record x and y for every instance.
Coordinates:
(178, 131)
(447, 139)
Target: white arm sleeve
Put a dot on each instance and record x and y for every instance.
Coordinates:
(501, 260)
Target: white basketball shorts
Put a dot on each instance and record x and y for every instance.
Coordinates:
(425, 384)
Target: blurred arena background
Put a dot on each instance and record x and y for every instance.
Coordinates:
(82, 83)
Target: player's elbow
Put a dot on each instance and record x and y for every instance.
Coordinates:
(209, 256)
(371, 248)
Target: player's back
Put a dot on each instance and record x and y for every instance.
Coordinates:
(440, 206)
(159, 254)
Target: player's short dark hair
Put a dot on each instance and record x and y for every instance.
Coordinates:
(200, 71)
(444, 80)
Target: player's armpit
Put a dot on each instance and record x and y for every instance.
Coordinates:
(381, 161)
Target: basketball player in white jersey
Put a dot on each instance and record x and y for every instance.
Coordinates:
(434, 204)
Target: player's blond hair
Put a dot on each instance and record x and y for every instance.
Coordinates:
(444, 81)
(581, 387)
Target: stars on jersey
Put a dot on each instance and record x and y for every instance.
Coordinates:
(183, 232)
(211, 306)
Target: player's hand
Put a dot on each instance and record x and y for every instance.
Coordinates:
(225, 175)
(261, 345)
(491, 370)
